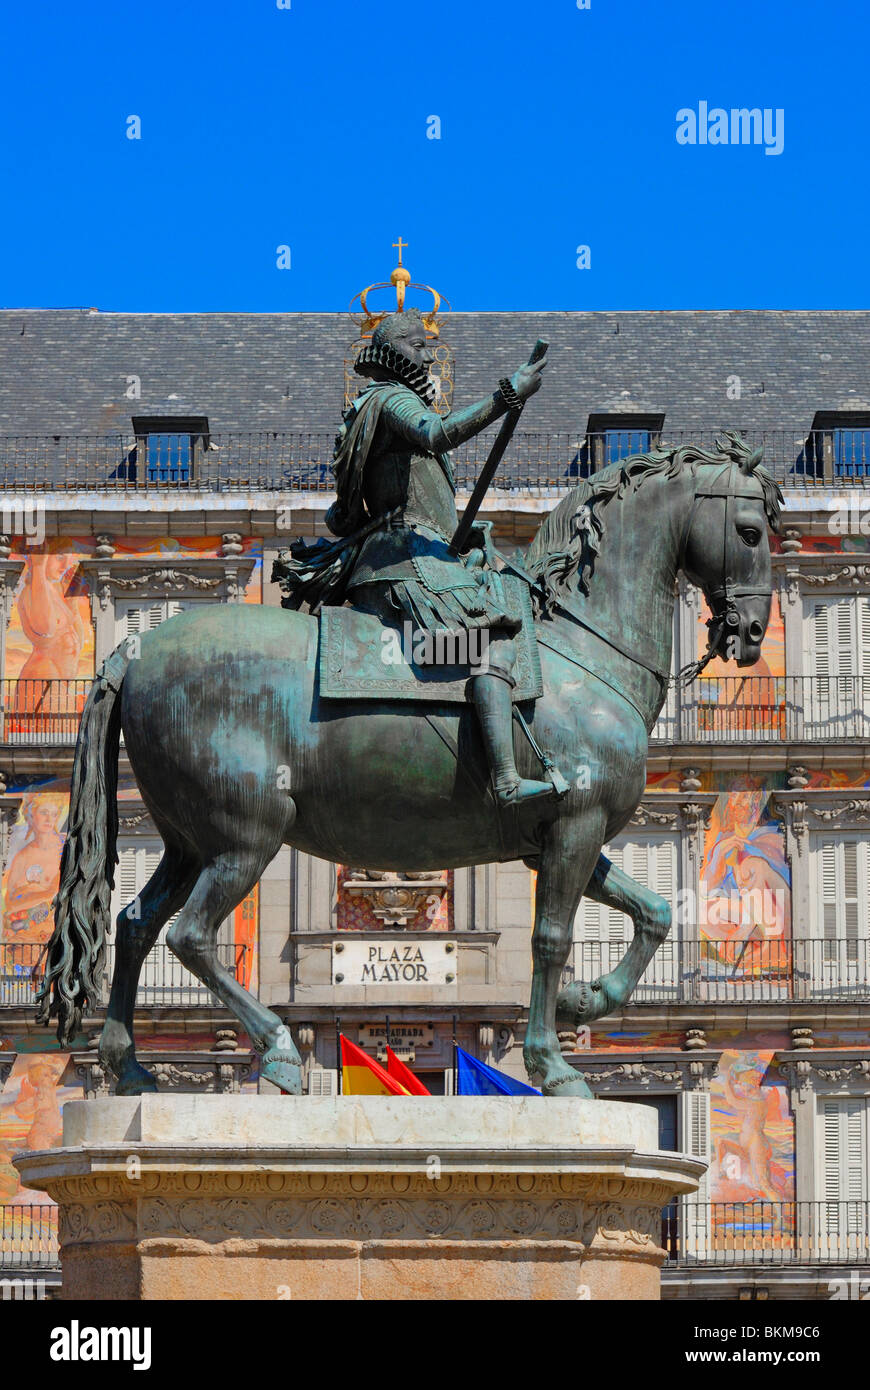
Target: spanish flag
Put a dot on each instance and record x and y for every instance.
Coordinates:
(397, 1069)
(363, 1076)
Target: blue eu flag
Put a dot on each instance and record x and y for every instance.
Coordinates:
(477, 1079)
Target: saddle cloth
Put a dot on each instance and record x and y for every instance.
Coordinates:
(362, 658)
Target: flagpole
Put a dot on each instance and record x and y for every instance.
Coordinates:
(338, 1048)
(455, 1059)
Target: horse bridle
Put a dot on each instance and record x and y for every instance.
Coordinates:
(722, 600)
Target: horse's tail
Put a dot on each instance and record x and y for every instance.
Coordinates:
(74, 962)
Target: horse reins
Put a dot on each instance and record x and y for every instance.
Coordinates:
(722, 600)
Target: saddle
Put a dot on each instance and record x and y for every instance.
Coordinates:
(363, 658)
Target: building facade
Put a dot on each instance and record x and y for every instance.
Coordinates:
(150, 463)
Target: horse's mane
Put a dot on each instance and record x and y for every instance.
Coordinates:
(568, 540)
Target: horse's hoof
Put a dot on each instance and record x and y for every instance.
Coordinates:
(135, 1080)
(572, 1085)
(283, 1070)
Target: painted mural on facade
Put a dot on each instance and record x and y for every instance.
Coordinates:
(31, 874)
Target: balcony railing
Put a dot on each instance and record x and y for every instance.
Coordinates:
(42, 711)
(28, 1236)
(164, 980)
(739, 972)
(766, 709)
(715, 709)
(285, 461)
(767, 1233)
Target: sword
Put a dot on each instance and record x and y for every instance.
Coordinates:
(503, 439)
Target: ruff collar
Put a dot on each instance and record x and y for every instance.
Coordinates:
(385, 362)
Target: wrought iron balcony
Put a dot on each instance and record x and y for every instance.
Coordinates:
(739, 972)
(282, 461)
(714, 710)
(766, 709)
(164, 980)
(39, 711)
(767, 1233)
(28, 1236)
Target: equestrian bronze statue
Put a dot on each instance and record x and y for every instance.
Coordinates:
(252, 727)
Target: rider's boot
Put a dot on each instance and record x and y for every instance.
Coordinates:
(492, 698)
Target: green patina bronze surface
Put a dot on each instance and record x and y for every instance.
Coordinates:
(236, 753)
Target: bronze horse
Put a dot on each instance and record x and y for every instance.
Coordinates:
(236, 755)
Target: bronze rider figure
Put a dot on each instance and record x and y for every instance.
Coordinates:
(391, 463)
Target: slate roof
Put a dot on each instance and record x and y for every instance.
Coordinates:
(65, 371)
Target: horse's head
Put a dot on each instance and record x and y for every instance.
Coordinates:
(725, 548)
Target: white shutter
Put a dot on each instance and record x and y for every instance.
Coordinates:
(136, 616)
(136, 865)
(695, 1140)
(843, 1182)
(842, 875)
(839, 636)
(601, 934)
(163, 979)
(863, 633)
(322, 1082)
(844, 1143)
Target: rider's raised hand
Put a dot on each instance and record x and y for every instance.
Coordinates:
(527, 380)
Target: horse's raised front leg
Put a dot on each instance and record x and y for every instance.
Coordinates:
(581, 1003)
(565, 864)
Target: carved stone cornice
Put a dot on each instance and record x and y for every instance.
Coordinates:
(813, 571)
(651, 1071)
(804, 809)
(647, 815)
(686, 814)
(826, 1071)
(225, 577)
(184, 1071)
(133, 819)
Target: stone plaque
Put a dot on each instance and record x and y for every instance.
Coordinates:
(403, 963)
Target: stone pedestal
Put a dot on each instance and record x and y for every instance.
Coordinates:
(373, 1197)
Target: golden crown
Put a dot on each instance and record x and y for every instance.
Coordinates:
(367, 319)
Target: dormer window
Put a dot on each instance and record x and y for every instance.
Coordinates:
(839, 445)
(618, 436)
(168, 447)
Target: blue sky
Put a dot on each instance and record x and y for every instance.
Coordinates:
(307, 127)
